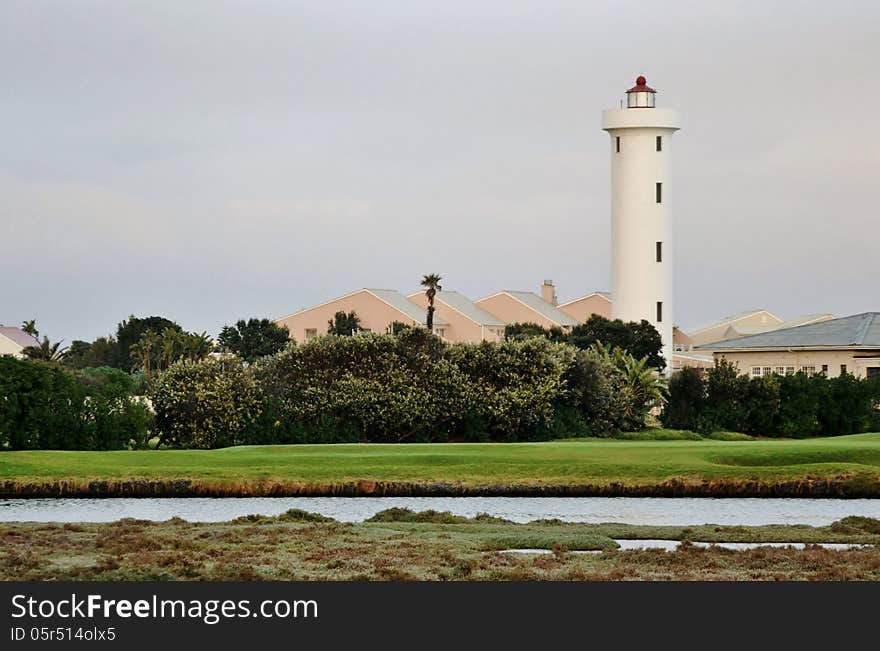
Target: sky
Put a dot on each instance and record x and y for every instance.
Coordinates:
(210, 161)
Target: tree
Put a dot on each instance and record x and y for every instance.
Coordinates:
(82, 354)
(253, 338)
(519, 331)
(129, 332)
(205, 404)
(46, 351)
(638, 339)
(432, 284)
(642, 386)
(143, 351)
(30, 327)
(687, 400)
(157, 352)
(344, 324)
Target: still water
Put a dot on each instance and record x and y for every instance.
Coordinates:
(629, 510)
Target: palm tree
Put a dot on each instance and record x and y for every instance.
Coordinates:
(46, 351)
(432, 283)
(30, 327)
(143, 350)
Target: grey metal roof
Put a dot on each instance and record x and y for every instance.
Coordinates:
(544, 308)
(856, 331)
(402, 304)
(19, 336)
(466, 306)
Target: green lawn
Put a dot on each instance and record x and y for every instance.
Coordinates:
(594, 461)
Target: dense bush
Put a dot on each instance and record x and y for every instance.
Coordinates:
(45, 406)
(407, 387)
(412, 387)
(790, 406)
(205, 404)
(639, 339)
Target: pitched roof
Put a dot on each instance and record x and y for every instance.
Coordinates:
(391, 297)
(464, 305)
(19, 336)
(856, 331)
(605, 295)
(402, 304)
(542, 307)
(731, 318)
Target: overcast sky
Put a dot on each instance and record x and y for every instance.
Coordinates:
(208, 161)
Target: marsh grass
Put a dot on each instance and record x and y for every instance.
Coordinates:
(410, 546)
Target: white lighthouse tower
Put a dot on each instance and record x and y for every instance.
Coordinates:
(641, 226)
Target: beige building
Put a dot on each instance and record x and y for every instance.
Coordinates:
(830, 346)
(724, 328)
(14, 340)
(467, 322)
(581, 309)
(527, 307)
(377, 309)
(750, 322)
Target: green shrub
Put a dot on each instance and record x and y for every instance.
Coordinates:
(687, 399)
(205, 404)
(46, 406)
(793, 406)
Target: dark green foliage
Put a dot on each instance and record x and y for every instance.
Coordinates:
(638, 339)
(794, 406)
(129, 333)
(344, 325)
(369, 388)
(397, 327)
(253, 339)
(414, 388)
(45, 406)
(46, 351)
(687, 398)
(519, 331)
(101, 352)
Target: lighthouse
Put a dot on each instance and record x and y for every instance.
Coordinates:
(641, 222)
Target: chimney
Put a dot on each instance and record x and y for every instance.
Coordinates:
(548, 292)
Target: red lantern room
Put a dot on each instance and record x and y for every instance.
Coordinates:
(641, 95)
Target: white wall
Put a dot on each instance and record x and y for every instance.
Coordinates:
(638, 222)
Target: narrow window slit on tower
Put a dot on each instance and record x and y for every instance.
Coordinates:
(659, 192)
(659, 143)
(659, 311)
(659, 251)
(617, 143)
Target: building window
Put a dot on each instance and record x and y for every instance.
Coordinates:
(659, 143)
(873, 371)
(311, 333)
(617, 144)
(808, 370)
(659, 192)
(779, 370)
(789, 370)
(756, 371)
(659, 311)
(659, 251)
(768, 370)
(824, 369)
(843, 369)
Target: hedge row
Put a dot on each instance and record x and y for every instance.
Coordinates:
(409, 387)
(787, 406)
(48, 407)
